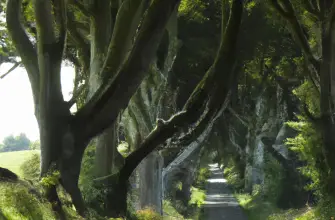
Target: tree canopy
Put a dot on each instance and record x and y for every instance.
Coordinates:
(162, 86)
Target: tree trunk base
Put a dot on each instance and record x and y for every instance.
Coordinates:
(71, 187)
(52, 197)
(116, 200)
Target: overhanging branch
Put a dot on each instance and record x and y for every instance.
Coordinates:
(165, 130)
(127, 20)
(238, 117)
(111, 98)
(75, 96)
(288, 13)
(10, 70)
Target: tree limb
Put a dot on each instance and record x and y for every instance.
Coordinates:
(238, 117)
(332, 16)
(127, 20)
(165, 130)
(10, 70)
(75, 96)
(311, 9)
(287, 164)
(105, 105)
(236, 145)
(81, 7)
(23, 45)
(289, 15)
(79, 40)
(61, 19)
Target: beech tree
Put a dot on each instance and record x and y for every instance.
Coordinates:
(310, 21)
(113, 61)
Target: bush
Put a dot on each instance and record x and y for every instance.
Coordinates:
(198, 197)
(148, 214)
(31, 167)
(203, 174)
(233, 176)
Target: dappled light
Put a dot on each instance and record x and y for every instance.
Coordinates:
(220, 200)
(217, 180)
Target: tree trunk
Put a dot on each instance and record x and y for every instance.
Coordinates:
(69, 166)
(327, 107)
(249, 161)
(151, 182)
(108, 159)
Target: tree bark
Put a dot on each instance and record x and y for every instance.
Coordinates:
(151, 182)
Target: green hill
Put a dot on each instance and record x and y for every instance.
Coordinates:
(13, 160)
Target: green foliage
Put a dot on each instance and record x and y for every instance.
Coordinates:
(203, 174)
(254, 206)
(273, 179)
(170, 211)
(52, 179)
(35, 145)
(193, 10)
(92, 195)
(198, 197)
(18, 143)
(31, 167)
(325, 208)
(233, 175)
(124, 148)
(307, 144)
(17, 203)
(148, 214)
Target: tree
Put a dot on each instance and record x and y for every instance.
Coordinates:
(18, 143)
(315, 20)
(64, 136)
(35, 145)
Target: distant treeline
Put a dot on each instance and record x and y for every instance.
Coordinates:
(18, 143)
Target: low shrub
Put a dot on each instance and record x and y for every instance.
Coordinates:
(203, 174)
(31, 167)
(148, 214)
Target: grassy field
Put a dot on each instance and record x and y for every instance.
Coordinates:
(13, 160)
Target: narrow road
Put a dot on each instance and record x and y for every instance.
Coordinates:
(220, 203)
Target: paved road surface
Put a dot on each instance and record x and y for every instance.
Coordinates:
(220, 203)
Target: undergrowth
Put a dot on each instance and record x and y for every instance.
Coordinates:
(17, 203)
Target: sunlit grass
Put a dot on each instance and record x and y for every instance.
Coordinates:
(257, 209)
(13, 160)
(17, 203)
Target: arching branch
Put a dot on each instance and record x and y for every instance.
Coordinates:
(17, 64)
(288, 13)
(107, 102)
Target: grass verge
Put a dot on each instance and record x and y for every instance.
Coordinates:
(13, 160)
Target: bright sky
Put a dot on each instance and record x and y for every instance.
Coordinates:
(16, 101)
